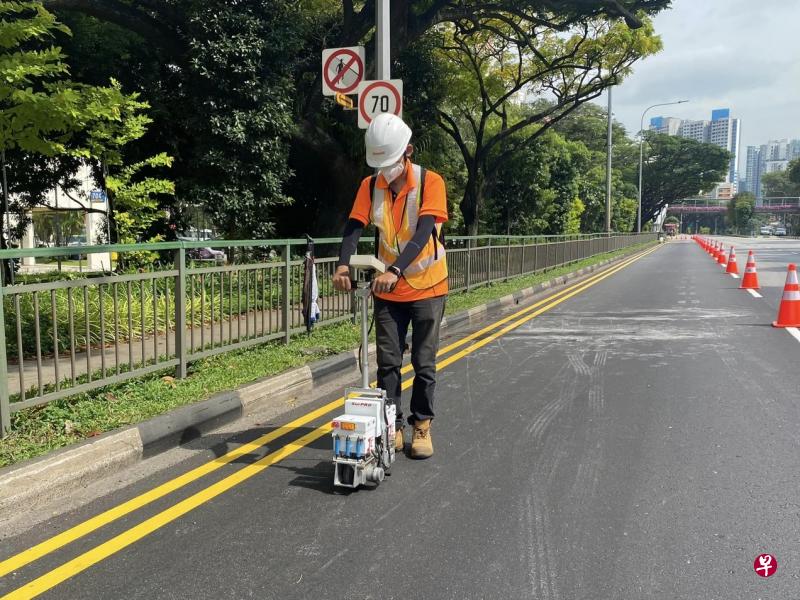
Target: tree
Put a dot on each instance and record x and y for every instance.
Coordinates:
(534, 191)
(740, 213)
(171, 63)
(137, 198)
(677, 168)
(794, 171)
(779, 185)
(219, 76)
(491, 62)
(589, 124)
(47, 122)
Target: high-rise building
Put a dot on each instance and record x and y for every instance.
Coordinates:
(772, 157)
(752, 181)
(665, 125)
(695, 130)
(794, 150)
(721, 130)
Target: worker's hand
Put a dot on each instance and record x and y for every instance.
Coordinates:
(384, 283)
(341, 279)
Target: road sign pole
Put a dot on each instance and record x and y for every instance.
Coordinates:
(383, 66)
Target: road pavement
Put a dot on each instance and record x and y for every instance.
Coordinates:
(773, 255)
(636, 440)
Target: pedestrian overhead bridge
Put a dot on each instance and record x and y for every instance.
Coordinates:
(712, 206)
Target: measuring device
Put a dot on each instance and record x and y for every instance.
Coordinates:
(363, 437)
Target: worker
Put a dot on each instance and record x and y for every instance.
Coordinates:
(408, 206)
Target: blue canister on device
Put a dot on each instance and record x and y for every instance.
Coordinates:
(348, 449)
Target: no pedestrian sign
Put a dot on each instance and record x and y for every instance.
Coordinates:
(376, 97)
(342, 70)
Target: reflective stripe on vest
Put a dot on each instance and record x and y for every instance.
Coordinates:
(429, 267)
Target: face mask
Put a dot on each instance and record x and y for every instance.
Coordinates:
(392, 172)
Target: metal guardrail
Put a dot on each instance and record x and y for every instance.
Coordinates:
(65, 337)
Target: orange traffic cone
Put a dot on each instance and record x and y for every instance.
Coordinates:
(750, 279)
(732, 267)
(722, 260)
(789, 311)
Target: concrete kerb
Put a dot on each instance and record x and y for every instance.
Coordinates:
(37, 482)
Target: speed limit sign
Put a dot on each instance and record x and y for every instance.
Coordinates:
(376, 97)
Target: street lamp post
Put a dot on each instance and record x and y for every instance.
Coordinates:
(641, 156)
(610, 147)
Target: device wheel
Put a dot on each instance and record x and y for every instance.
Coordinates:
(347, 474)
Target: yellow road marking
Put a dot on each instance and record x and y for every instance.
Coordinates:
(70, 535)
(126, 538)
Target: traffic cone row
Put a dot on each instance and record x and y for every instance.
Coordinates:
(789, 309)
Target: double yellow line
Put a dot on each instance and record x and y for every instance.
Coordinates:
(137, 532)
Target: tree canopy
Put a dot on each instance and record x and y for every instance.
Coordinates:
(677, 168)
(488, 63)
(235, 91)
(51, 125)
(782, 184)
(741, 210)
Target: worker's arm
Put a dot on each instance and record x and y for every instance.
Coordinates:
(352, 233)
(417, 243)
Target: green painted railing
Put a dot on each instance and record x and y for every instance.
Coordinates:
(69, 336)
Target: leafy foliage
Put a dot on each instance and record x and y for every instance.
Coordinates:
(741, 210)
(235, 86)
(491, 61)
(794, 171)
(136, 204)
(780, 184)
(678, 168)
(49, 125)
(219, 76)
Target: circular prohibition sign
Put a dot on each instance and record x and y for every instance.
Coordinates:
(352, 59)
(362, 99)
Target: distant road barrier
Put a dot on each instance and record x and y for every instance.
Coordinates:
(68, 336)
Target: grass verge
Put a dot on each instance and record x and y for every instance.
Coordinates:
(38, 430)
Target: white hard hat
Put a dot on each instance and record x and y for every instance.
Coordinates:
(386, 140)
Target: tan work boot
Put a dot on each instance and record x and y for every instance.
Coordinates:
(399, 442)
(421, 444)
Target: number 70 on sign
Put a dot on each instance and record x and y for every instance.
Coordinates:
(376, 97)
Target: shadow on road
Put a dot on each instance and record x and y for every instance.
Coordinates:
(221, 444)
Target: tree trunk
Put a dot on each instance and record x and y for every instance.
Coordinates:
(472, 202)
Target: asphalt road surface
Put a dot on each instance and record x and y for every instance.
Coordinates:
(773, 255)
(637, 440)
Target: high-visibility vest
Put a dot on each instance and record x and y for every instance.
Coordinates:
(429, 267)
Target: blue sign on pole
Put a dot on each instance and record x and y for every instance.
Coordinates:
(97, 196)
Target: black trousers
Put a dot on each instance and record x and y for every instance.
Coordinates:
(391, 327)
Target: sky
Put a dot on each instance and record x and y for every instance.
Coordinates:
(737, 54)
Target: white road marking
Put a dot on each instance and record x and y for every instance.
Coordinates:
(734, 275)
(755, 294)
(795, 333)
